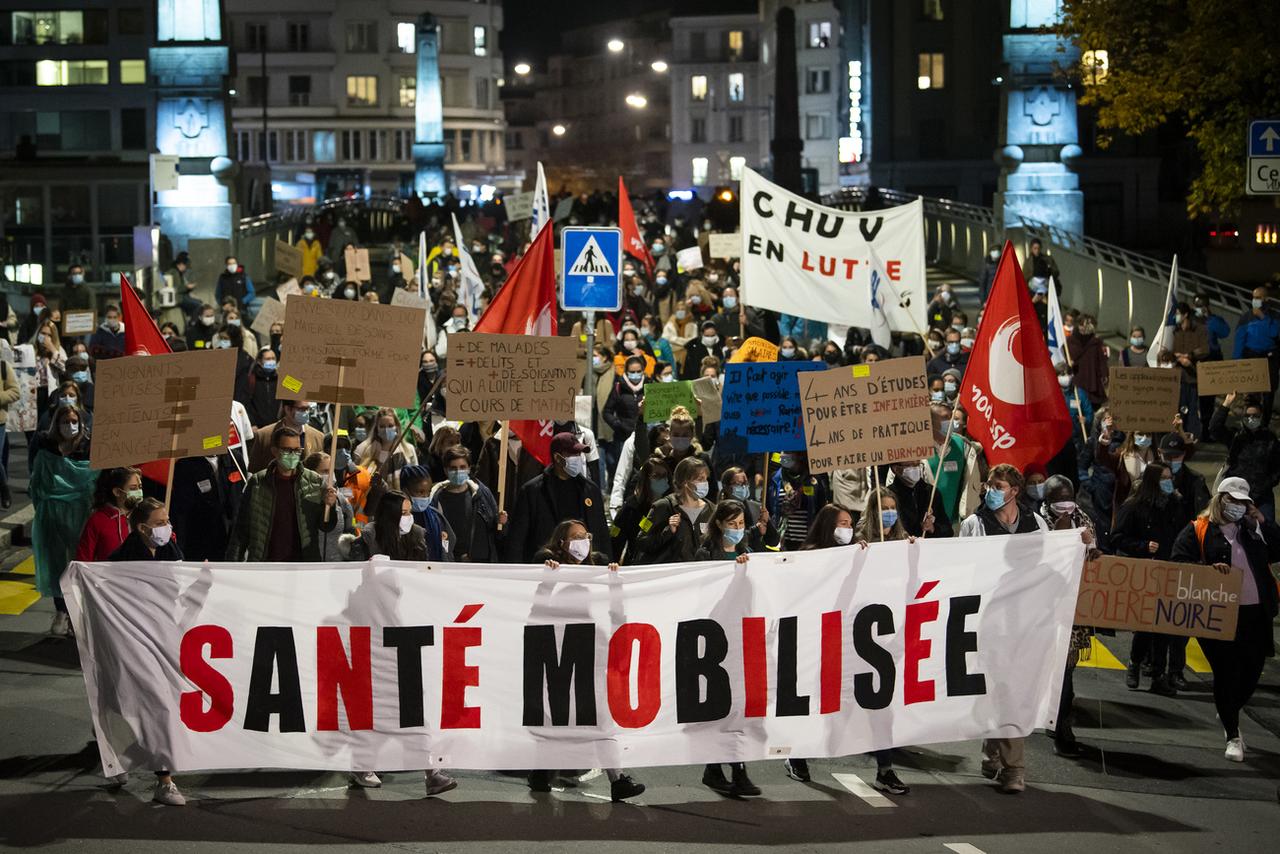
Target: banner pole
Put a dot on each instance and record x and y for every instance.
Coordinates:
(333, 441)
(942, 455)
(173, 449)
(875, 473)
(502, 468)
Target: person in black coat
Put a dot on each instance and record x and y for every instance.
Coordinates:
(256, 389)
(1234, 536)
(622, 408)
(1190, 496)
(563, 491)
(762, 534)
(1253, 451)
(206, 498)
(912, 493)
(710, 344)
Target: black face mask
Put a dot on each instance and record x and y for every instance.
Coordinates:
(831, 358)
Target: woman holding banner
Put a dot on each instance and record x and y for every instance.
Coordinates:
(653, 481)
(676, 524)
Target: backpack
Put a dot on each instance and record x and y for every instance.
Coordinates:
(1201, 524)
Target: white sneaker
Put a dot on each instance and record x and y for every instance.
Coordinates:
(439, 782)
(367, 780)
(61, 627)
(168, 794)
(1235, 749)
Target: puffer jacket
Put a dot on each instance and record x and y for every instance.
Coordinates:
(252, 528)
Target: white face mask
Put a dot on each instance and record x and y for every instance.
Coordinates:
(231, 268)
(161, 534)
(580, 549)
(406, 524)
(575, 465)
(844, 536)
(910, 475)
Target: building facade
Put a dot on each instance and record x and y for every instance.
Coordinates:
(325, 94)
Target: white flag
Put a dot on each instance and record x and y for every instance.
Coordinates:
(880, 291)
(1164, 334)
(541, 207)
(470, 285)
(430, 333)
(1057, 337)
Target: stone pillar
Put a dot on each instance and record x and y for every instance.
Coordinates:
(428, 114)
(786, 145)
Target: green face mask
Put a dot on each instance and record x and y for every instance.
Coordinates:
(134, 495)
(289, 460)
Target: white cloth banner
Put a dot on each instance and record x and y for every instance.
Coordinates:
(392, 666)
(813, 261)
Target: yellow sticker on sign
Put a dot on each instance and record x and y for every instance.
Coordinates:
(645, 524)
(861, 371)
(292, 383)
(212, 442)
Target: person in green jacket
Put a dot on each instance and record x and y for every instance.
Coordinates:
(283, 511)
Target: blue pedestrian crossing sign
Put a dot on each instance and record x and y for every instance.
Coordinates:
(591, 269)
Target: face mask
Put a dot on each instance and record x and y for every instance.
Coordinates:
(161, 534)
(1201, 311)
(80, 376)
(597, 361)
(1233, 512)
(740, 491)
(695, 300)
(329, 276)
(406, 524)
(658, 248)
(788, 462)
(994, 255)
(667, 378)
(388, 433)
(77, 279)
(1166, 486)
(786, 352)
(459, 477)
(658, 485)
(361, 433)
(343, 459)
(289, 460)
(957, 426)
(628, 345)
(207, 319)
(269, 365)
(66, 401)
(231, 268)
(831, 357)
(1063, 508)
(575, 465)
(635, 377)
(349, 293)
(966, 343)
(1086, 329)
(1177, 317)
(69, 429)
(1142, 441)
(395, 268)
(1253, 422)
(946, 296)
(133, 496)
(223, 344)
(309, 235)
(680, 313)
(456, 323)
(844, 536)
(935, 397)
(1257, 303)
(994, 499)
(949, 388)
(638, 290)
(701, 488)
(1036, 491)
(301, 417)
(1064, 380)
(953, 348)
(628, 271)
(580, 549)
(733, 536)
(730, 302)
(935, 344)
(888, 518)
(910, 475)
(710, 340)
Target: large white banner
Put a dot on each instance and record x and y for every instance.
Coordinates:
(392, 666)
(809, 260)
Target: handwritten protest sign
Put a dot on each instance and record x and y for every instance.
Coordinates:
(724, 245)
(867, 415)
(707, 392)
(511, 377)
(287, 289)
(1232, 375)
(690, 259)
(375, 349)
(563, 208)
(661, 398)
(406, 267)
(519, 206)
(162, 407)
(1143, 400)
(358, 269)
(1159, 596)
(288, 259)
(755, 350)
(760, 407)
(269, 312)
(79, 322)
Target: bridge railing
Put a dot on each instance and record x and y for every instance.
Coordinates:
(1109, 281)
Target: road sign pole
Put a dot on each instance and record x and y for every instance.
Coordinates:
(590, 390)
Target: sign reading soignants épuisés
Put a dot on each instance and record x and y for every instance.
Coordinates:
(760, 407)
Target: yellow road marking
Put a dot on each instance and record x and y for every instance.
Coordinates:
(27, 567)
(1101, 657)
(16, 597)
(1195, 658)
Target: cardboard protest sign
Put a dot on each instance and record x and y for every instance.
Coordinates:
(1144, 400)
(287, 289)
(1159, 596)
(755, 350)
(288, 259)
(867, 415)
(358, 269)
(661, 398)
(724, 245)
(519, 206)
(511, 377)
(1232, 375)
(760, 407)
(269, 312)
(707, 392)
(162, 407)
(564, 207)
(374, 348)
(79, 322)
(406, 267)
(690, 259)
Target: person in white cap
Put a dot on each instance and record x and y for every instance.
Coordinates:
(1232, 535)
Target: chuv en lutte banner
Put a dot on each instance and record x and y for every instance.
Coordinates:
(808, 260)
(390, 666)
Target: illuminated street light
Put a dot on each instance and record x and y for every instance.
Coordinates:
(659, 66)
(522, 68)
(615, 45)
(558, 130)
(636, 100)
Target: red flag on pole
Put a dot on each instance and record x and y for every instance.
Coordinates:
(1016, 409)
(526, 305)
(142, 338)
(632, 243)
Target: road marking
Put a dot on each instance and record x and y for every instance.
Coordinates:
(1100, 657)
(1195, 658)
(16, 597)
(854, 784)
(27, 567)
(963, 848)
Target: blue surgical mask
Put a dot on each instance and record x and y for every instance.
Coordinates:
(1233, 512)
(888, 518)
(1142, 441)
(269, 365)
(936, 397)
(1166, 486)
(458, 477)
(740, 491)
(730, 302)
(1137, 341)
(786, 352)
(1175, 466)
(81, 377)
(953, 347)
(301, 416)
(361, 433)
(635, 376)
(659, 485)
(995, 499)
(701, 488)
(388, 434)
(343, 459)
(1036, 491)
(420, 505)
(733, 536)
(67, 401)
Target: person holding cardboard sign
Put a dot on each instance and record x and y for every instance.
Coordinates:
(1253, 452)
(1232, 535)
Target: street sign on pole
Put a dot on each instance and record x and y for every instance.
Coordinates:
(1264, 158)
(591, 269)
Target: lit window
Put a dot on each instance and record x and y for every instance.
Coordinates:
(133, 71)
(323, 146)
(1094, 67)
(479, 40)
(698, 87)
(737, 87)
(735, 44)
(932, 10)
(406, 36)
(1265, 235)
(408, 90)
(930, 71)
(362, 91)
(819, 33)
(699, 171)
(76, 72)
(736, 165)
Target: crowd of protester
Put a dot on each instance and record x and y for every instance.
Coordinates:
(619, 491)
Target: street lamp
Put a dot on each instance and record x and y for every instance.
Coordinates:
(637, 101)
(558, 130)
(615, 45)
(522, 68)
(659, 66)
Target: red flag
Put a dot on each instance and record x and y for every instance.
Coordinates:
(1016, 409)
(526, 305)
(141, 335)
(632, 243)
